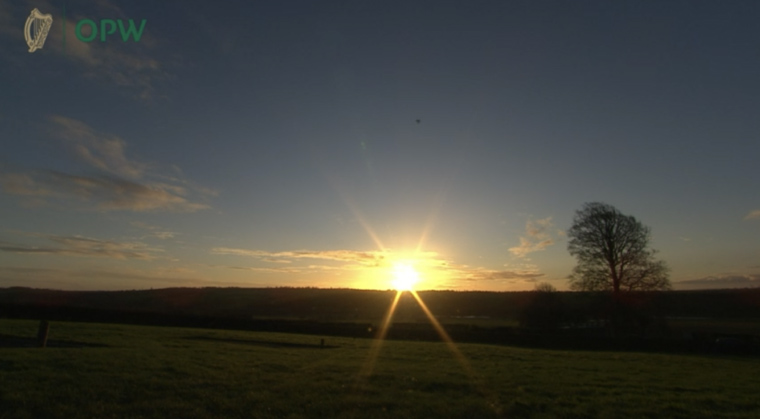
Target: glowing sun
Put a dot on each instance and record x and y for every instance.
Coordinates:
(404, 277)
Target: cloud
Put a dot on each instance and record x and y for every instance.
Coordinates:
(537, 238)
(84, 246)
(373, 258)
(164, 235)
(106, 193)
(22, 184)
(101, 151)
(273, 260)
(128, 65)
(351, 260)
(469, 273)
(123, 184)
(527, 246)
(753, 215)
(296, 270)
(267, 270)
(138, 69)
(124, 278)
(428, 263)
(155, 231)
(142, 225)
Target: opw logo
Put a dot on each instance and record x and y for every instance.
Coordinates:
(87, 30)
(108, 27)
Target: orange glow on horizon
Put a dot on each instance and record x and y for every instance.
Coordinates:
(403, 271)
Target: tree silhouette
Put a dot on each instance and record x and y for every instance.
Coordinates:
(545, 287)
(612, 252)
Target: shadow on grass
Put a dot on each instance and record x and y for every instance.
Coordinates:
(268, 343)
(7, 341)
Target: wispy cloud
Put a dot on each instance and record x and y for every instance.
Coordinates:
(137, 69)
(268, 270)
(124, 278)
(368, 258)
(164, 235)
(23, 184)
(124, 184)
(481, 274)
(753, 215)
(154, 231)
(129, 65)
(354, 261)
(84, 246)
(299, 270)
(105, 193)
(273, 260)
(536, 237)
(101, 151)
(514, 274)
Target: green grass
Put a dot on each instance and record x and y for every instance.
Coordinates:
(150, 372)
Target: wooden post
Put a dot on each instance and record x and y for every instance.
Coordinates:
(42, 333)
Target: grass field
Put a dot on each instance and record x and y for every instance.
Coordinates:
(150, 372)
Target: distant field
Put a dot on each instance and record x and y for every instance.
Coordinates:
(152, 372)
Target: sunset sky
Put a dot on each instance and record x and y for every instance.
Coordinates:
(322, 143)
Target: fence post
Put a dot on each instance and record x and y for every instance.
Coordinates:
(42, 333)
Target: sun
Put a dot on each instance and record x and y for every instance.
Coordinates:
(404, 277)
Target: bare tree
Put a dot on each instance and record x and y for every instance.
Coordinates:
(544, 287)
(612, 252)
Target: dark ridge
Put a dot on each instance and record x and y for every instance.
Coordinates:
(350, 305)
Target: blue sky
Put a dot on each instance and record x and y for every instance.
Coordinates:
(276, 143)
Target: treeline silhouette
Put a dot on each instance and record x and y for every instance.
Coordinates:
(350, 304)
(568, 320)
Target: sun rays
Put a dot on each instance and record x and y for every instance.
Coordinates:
(405, 275)
(369, 365)
(404, 278)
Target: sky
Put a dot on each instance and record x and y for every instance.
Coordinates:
(331, 143)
